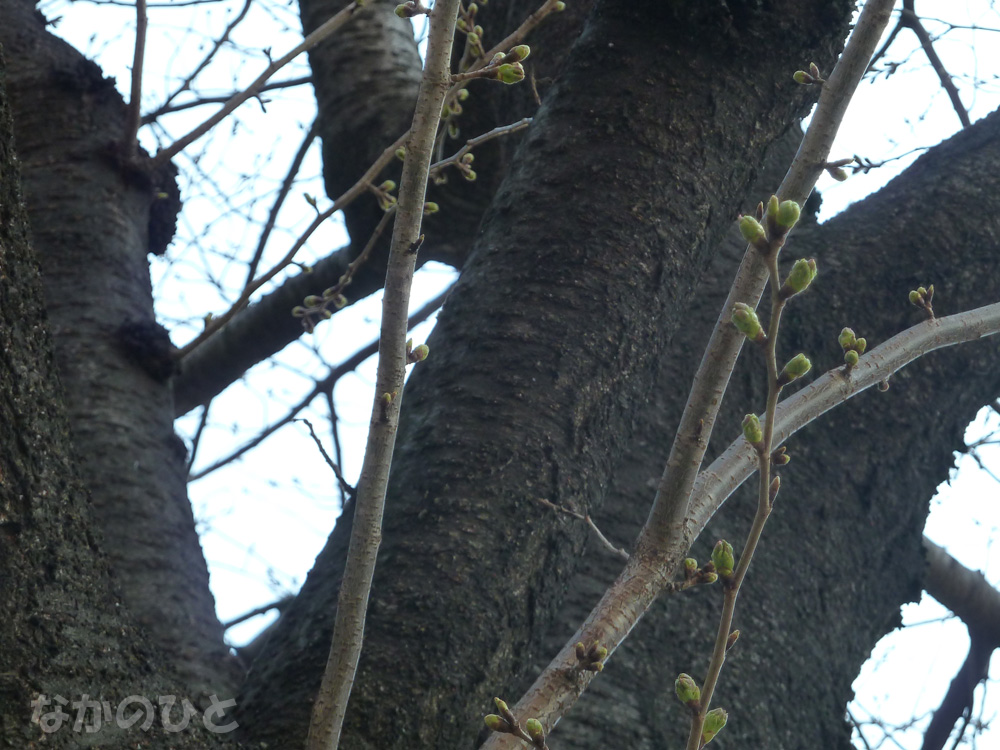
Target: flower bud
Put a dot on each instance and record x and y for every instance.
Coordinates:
(687, 689)
(788, 214)
(722, 558)
(847, 339)
(753, 232)
(496, 723)
(800, 76)
(470, 175)
(312, 301)
(860, 345)
(510, 73)
(715, 720)
(850, 358)
(839, 174)
(747, 322)
(797, 366)
(690, 566)
(430, 207)
(799, 278)
(518, 53)
(388, 186)
(534, 729)
(299, 312)
(420, 353)
(751, 429)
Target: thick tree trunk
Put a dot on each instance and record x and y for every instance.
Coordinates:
(64, 634)
(543, 356)
(89, 212)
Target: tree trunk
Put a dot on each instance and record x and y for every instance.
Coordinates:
(546, 351)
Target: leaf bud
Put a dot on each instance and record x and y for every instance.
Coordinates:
(799, 278)
(751, 429)
(687, 689)
(722, 557)
(746, 321)
(797, 366)
(419, 354)
(800, 76)
(772, 490)
(715, 720)
(501, 706)
(731, 640)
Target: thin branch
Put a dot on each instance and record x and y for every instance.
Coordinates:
(130, 143)
(590, 522)
(202, 101)
(196, 440)
(323, 386)
(366, 531)
(911, 20)
(320, 34)
(279, 605)
(186, 83)
(345, 486)
(279, 201)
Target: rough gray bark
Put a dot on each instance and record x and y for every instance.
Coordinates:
(541, 359)
(90, 213)
(63, 630)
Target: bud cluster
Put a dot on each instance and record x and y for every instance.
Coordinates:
(853, 347)
(921, 297)
(591, 658)
(504, 722)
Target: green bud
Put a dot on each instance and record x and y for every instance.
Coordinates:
(534, 729)
(715, 720)
(431, 208)
(847, 339)
(788, 214)
(463, 94)
(473, 38)
(560, 6)
(339, 301)
(839, 174)
(597, 666)
(860, 345)
(478, 30)
(496, 723)
(387, 187)
(747, 322)
(751, 429)
(800, 76)
(518, 53)
(687, 689)
(710, 577)
(772, 207)
(690, 564)
(722, 558)
(850, 358)
(470, 175)
(401, 153)
(510, 73)
(299, 312)
(799, 278)
(752, 231)
(501, 705)
(468, 158)
(420, 353)
(312, 301)
(797, 366)
(914, 297)
(401, 11)
(581, 651)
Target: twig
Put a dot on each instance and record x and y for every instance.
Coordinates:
(202, 101)
(321, 33)
(338, 677)
(590, 522)
(345, 486)
(279, 605)
(186, 83)
(323, 386)
(196, 440)
(911, 20)
(279, 201)
(130, 143)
